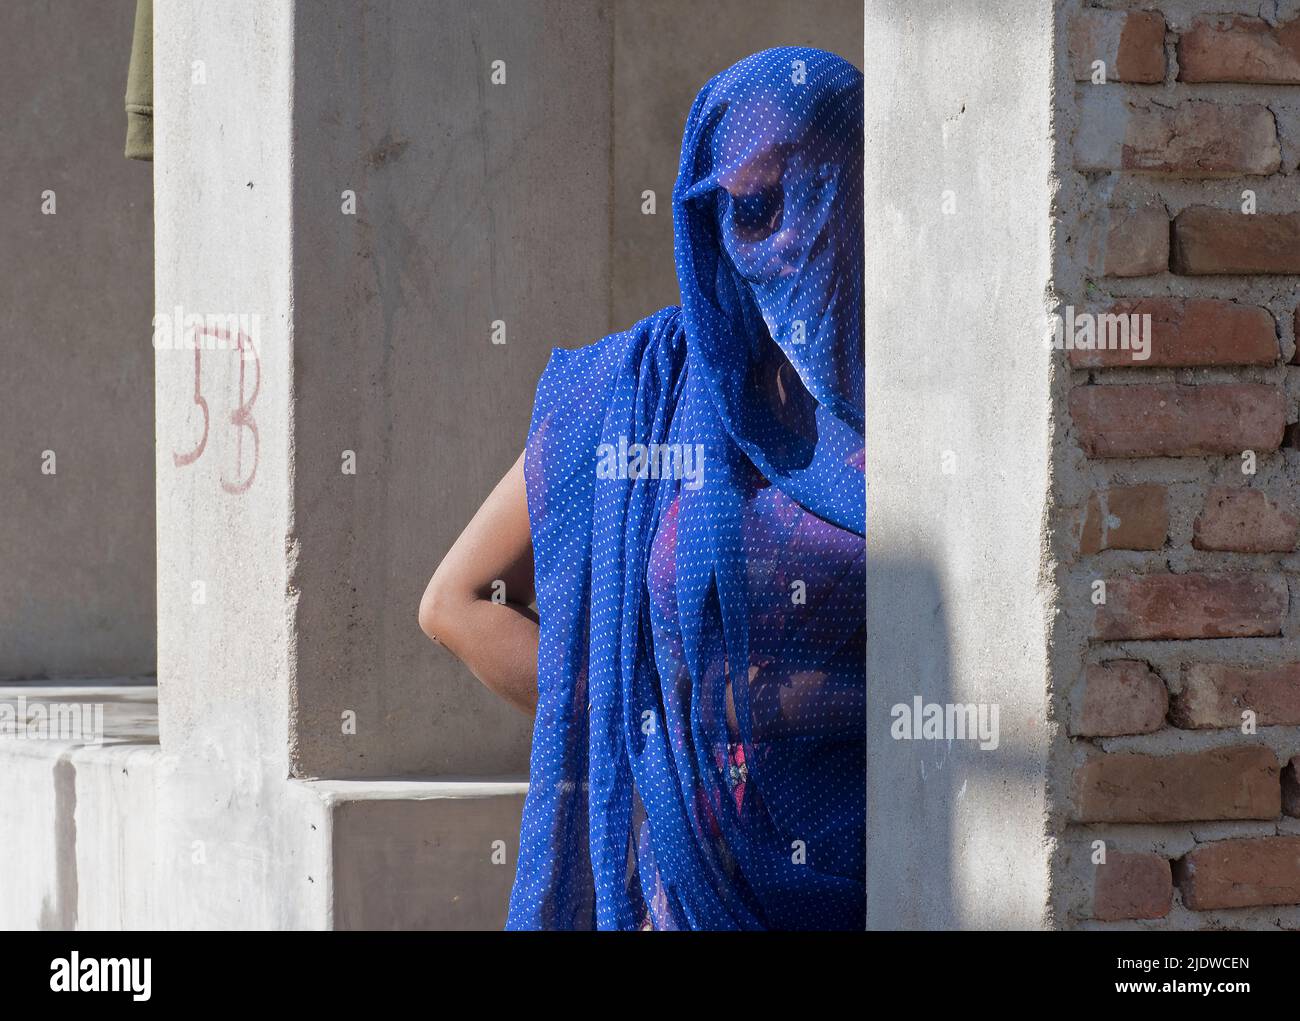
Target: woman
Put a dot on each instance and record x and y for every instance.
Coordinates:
(691, 499)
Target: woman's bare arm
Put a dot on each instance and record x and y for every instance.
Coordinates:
(496, 640)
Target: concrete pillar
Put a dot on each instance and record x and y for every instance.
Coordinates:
(958, 191)
(379, 214)
(234, 839)
(350, 179)
(223, 190)
(1081, 365)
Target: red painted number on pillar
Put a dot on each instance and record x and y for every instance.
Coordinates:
(241, 417)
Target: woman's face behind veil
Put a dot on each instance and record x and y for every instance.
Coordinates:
(768, 241)
(789, 213)
(773, 213)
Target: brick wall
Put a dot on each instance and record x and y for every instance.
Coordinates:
(1177, 659)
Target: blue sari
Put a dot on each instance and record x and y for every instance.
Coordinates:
(697, 504)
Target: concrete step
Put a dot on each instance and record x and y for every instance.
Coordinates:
(116, 834)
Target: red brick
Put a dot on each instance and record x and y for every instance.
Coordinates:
(1201, 139)
(1244, 521)
(1191, 332)
(1222, 783)
(1125, 517)
(1131, 43)
(1159, 606)
(1132, 886)
(1137, 241)
(1215, 694)
(1208, 241)
(1171, 420)
(1123, 696)
(1291, 788)
(1242, 873)
(1233, 48)
(1196, 139)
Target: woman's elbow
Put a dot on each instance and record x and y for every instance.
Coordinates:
(435, 613)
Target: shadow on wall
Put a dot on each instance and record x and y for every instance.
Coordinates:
(938, 763)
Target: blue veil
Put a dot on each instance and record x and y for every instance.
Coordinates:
(697, 503)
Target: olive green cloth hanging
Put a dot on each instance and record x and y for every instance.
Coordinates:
(139, 86)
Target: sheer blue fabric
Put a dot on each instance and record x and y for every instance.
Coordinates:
(697, 504)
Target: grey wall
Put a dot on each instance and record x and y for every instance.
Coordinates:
(77, 566)
(476, 202)
(664, 51)
(958, 100)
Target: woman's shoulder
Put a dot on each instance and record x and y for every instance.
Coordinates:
(572, 402)
(614, 349)
(580, 378)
